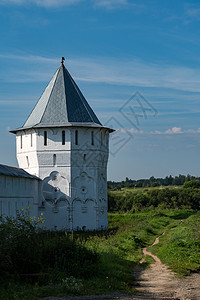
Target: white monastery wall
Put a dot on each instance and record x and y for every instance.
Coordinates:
(17, 193)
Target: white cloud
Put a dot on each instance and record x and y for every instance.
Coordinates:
(193, 12)
(30, 58)
(135, 72)
(112, 4)
(133, 130)
(45, 3)
(170, 131)
(179, 130)
(174, 130)
(132, 72)
(12, 102)
(105, 4)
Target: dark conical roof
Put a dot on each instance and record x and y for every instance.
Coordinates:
(61, 104)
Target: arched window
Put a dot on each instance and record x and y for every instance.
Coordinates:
(76, 137)
(54, 160)
(63, 137)
(92, 137)
(45, 138)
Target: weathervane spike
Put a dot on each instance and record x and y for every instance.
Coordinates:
(62, 60)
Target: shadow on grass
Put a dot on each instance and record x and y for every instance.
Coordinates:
(181, 215)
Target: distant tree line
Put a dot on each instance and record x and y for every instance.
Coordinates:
(151, 182)
(187, 196)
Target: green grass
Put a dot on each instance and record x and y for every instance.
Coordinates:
(119, 249)
(124, 191)
(179, 248)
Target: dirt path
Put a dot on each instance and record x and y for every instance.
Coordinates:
(156, 282)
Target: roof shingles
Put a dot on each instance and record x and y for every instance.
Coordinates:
(61, 104)
(16, 172)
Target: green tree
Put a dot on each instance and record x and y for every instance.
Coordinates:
(192, 184)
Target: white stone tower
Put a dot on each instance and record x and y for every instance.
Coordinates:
(64, 143)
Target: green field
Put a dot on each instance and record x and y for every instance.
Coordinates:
(98, 262)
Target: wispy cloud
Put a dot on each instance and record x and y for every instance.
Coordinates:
(132, 72)
(135, 72)
(191, 13)
(174, 130)
(29, 58)
(170, 131)
(13, 102)
(104, 4)
(45, 3)
(112, 4)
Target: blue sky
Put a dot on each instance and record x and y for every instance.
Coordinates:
(136, 62)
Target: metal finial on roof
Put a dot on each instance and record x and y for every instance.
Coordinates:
(62, 104)
(62, 60)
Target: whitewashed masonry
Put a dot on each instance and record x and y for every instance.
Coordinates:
(63, 143)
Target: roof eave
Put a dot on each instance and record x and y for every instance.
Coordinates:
(87, 125)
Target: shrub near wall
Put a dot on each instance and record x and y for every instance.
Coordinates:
(26, 250)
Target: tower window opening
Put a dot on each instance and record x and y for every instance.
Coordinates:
(107, 138)
(84, 157)
(54, 160)
(76, 137)
(92, 137)
(27, 160)
(21, 141)
(45, 138)
(63, 137)
(31, 140)
(101, 138)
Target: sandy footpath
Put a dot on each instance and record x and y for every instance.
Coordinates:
(155, 282)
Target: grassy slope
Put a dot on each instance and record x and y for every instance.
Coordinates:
(121, 248)
(179, 248)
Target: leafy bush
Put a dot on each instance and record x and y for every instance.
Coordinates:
(18, 244)
(165, 198)
(72, 285)
(62, 253)
(25, 249)
(191, 184)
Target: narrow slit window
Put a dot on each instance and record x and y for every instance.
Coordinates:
(54, 160)
(92, 137)
(21, 141)
(45, 138)
(107, 138)
(27, 160)
(76, 137)
(63, 137)
(101, 138)
(31, 140)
